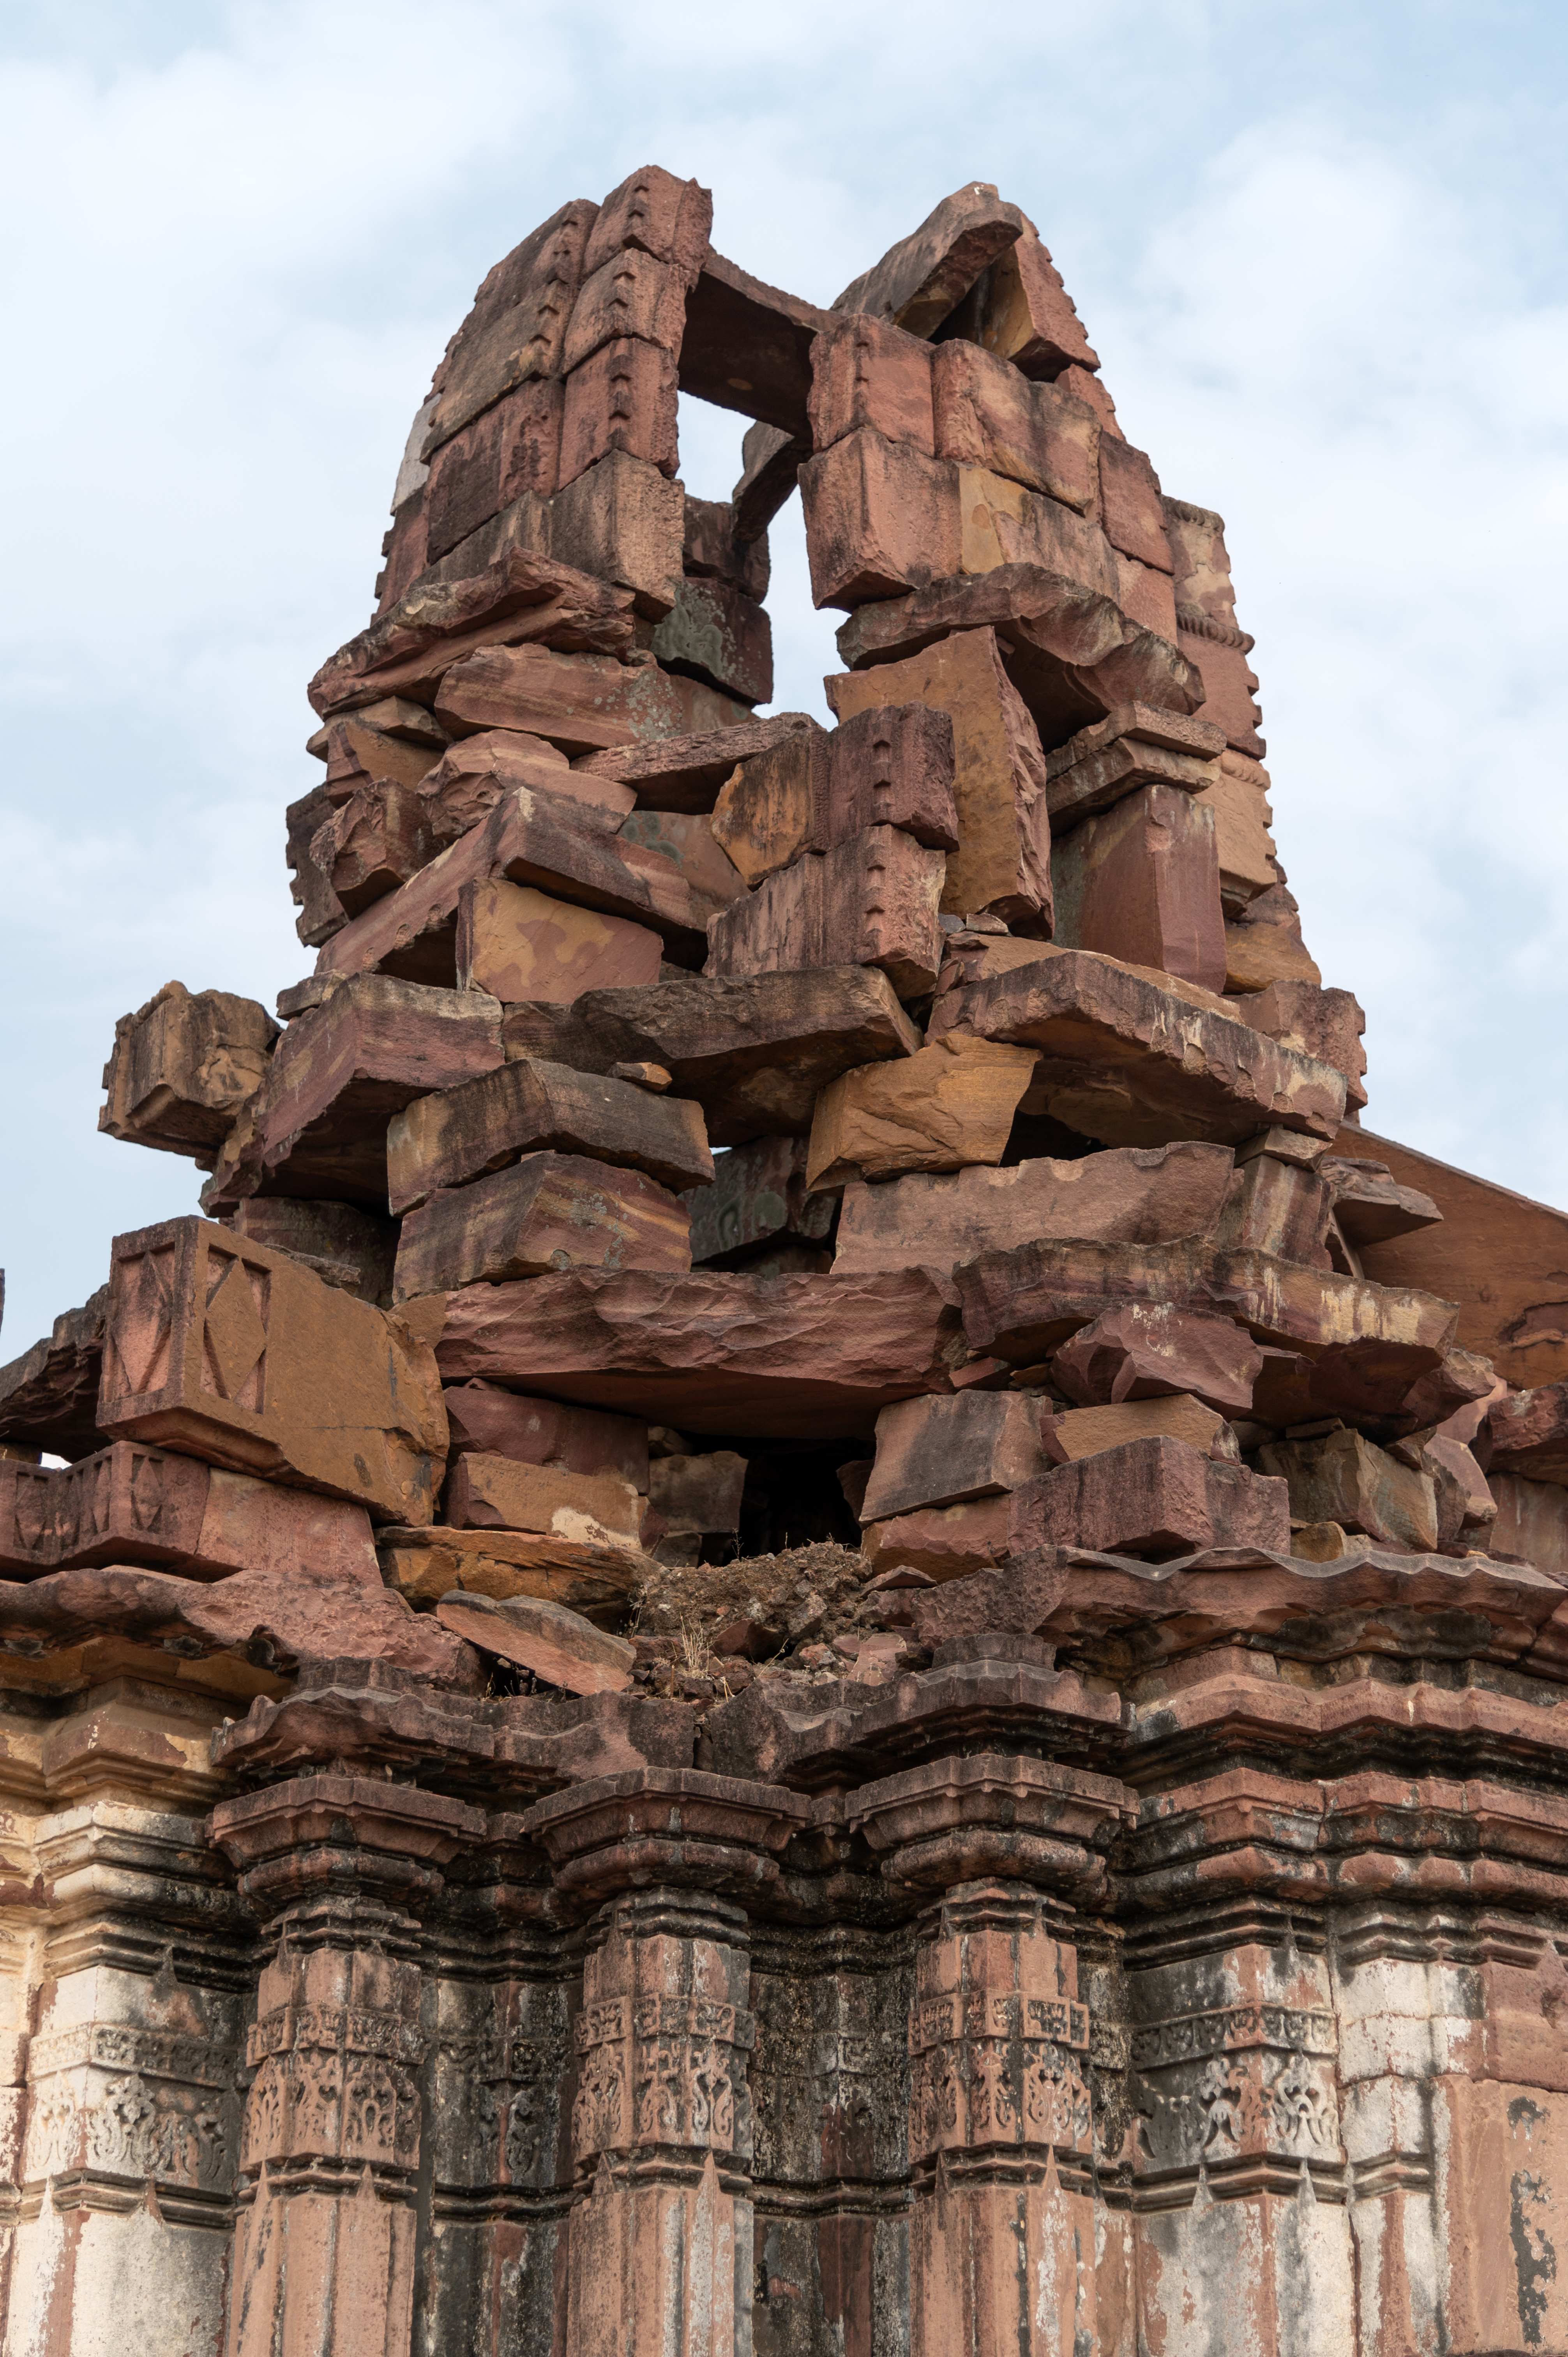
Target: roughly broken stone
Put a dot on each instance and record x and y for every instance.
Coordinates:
(182, 1066)
(866, 372)
(1153, 1496)
(988, 414)
(757, 1195)
(1128, 1062)
(726, 1352)
(544, 1432)
(587, 1575)
(939, 1452)
(583, 703)
(870, 901)
(880, 519)
(546, 1211)
(1343, 1478)
(698, 1496)
(685, 773)
(770, 808)
(494, 1492)
(514, 942)
(558, 1646)
(947, 1107)
(1145, 1349)
(231, 1351)
(1137, 745)
(919, 280)
(1079, 1432)
(473, 774)
(1141, 882)
(1138, 1195)
(754, 1053)
(341, 1071)
(530, 1105)
(1027, 316)
(714, 632)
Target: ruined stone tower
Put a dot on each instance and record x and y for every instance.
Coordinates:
(815, 1619)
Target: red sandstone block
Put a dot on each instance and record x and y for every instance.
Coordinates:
(1143, 1349)
(865, 372)
(630, 295)
(1140, 882)
(870, 901)
(987, 414)
(655, 213)
(939, 1452)
(542, 1432)
(1132, 511)
(547, 1212)
(512, 449)
(892, 766)
(1029, 318)
(622, 398)
(880, 519)
(1154, 1497)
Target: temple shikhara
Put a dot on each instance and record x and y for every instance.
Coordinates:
(814, 1616)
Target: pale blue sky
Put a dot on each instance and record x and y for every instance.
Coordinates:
(1320, 249)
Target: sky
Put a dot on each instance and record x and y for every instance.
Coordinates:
(1320, 248)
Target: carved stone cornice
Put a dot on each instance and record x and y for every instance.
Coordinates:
(342, 1838)
(667, 1826)
(959, 1821)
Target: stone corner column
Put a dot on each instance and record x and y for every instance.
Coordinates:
(659, 2246)
(344, 1866)
(1006, 2224)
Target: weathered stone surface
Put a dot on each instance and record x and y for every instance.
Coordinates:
(698, 1496)
(880, 519)
(1248, 864)
(372, 843)
(866, 371)
(357, 1247)
(950, 1541)
(1325, 1024)
(1527, 1433)
(1138, 1195)
(1369, 1204)
(182, 1066)
(1141, 882)
(515, 328)
(770, 808)
(622, 521)
(715, 633)
(1155, 1496)
(1078, 1432)
(235, 1353)
(712, 549)
(988, 414)
(891, 766)
(511, 596)
(807, 1356)
(546, 1211)
(685, 773)
(622, 398)
(872, 900)
(557, 1644)
(591, 1575)
(1206, 612)
(1071, 652)
(1001, 525)
(919, 280)
(486, 1493)
(1342, 1478)
(1531, 1523)
(542, 1432)
(631, 294)
(753, 1053)
(530, 1105)
(1003, 863)
(135, 1505)
(1027, 316)
(1148, 1348)
(583, 703)
(652, 212)
(686, 839)
(1126, 1062)
(473, 774)
(341, 1071)
(1498, 1255)
(1131, 506)
(514, 942)
(1280, 1206)
(49, 1396)
(948, 1106)
(1024, 1304)
(566, 849)
(321, 914)
(757, 1195)
(514, 448)
(937, 1452)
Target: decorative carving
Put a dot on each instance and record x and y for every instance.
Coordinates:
(678, 2064)
(1249, 2079)
(137, 2104)
(995, 2069)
